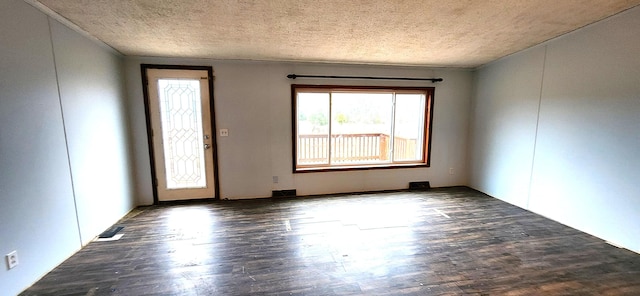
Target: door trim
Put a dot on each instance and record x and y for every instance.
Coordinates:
(214, 138)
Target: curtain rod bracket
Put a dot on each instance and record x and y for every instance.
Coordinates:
(433, 80)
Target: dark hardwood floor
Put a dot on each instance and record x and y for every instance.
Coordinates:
(450, 241)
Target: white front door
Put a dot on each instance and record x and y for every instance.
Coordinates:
(180, 115)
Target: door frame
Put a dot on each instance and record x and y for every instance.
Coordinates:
(147, 113)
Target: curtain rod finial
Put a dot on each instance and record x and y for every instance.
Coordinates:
(292, 76)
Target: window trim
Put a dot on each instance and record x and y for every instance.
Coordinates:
(428, 127)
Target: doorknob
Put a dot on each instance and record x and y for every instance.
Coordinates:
(207, 146)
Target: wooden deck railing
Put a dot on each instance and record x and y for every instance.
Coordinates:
(352, 148)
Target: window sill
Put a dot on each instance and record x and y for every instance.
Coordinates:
(318, 169)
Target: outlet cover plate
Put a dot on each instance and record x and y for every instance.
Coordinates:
(12, 259)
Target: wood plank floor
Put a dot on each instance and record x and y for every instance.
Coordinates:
(451, 241)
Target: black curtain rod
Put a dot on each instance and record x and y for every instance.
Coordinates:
(294, 76)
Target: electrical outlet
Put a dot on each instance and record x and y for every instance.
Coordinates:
(450, 171)
(12, 259)
(224, 132)
(275, 179)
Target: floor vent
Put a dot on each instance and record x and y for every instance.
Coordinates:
(283, 193)
(424, 185)
(110, 232)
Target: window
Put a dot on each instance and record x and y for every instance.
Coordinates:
(348, 127)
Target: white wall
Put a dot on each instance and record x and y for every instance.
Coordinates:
(253, 101)
(504, 120)
(576, 161)
(91, 84)
(39, 215)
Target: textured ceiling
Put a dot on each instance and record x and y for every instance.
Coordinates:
(447, 33)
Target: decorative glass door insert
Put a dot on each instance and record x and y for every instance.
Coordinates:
(180, 110)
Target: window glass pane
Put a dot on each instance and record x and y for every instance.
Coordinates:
(312, 128)
(409, 127)
(360, 127)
